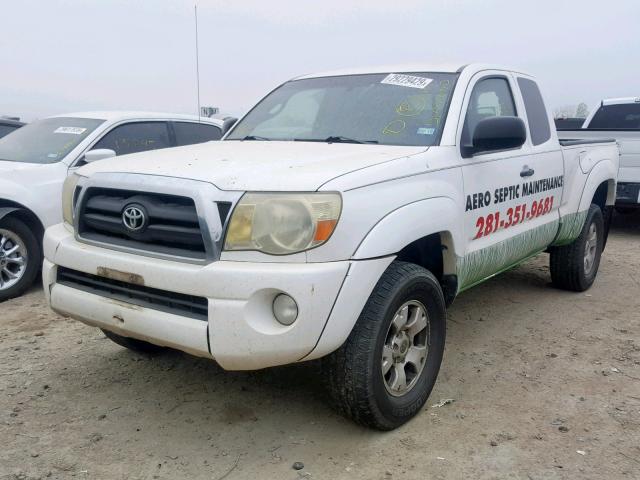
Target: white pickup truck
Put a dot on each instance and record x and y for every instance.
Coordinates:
(617, 118)
(36, 159)
(336, 220)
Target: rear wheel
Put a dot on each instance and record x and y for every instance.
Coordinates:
(133, 343)
(383, 374)
(575, 266)
(20, 257)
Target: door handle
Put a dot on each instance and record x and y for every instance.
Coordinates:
(527, 171)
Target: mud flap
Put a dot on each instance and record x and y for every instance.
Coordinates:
(608, 217)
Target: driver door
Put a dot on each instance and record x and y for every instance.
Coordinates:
(499, 224)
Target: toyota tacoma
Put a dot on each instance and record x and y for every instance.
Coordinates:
(337, 220)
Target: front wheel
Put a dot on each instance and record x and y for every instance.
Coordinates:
(574, 266)
(20, 257)
(383, 374)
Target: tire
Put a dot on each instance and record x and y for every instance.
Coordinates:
(19, 269)
(568, 264)
(354, 374)
(134, 344)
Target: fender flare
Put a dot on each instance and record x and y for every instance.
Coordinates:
(604, 171)
(409, 223)
(377, 250)
(7, 210)
(17, 198)
(26, 216)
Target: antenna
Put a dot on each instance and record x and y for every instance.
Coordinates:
(195, 9)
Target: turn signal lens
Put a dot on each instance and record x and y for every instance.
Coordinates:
(324, 229)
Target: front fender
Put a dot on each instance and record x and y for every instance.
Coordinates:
(15, 194)
(409, 223)
(41, 199)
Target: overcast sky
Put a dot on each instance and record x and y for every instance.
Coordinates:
(58, 56)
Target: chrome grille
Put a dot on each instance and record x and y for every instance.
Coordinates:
(159, 223)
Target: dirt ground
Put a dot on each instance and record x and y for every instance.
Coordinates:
(545, 383)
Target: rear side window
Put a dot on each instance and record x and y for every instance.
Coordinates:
(190, 133)
(491, 97)
(623, 117)
(536, 112)
(136, 137)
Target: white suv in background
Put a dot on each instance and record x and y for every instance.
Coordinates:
(619, 119)
(36, 159)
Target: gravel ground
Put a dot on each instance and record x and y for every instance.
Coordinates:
(545, 383)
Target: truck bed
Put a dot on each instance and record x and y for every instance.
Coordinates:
(572, 142)
(628, 143)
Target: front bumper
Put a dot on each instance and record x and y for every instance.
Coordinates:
(240, 331)
(628, 194)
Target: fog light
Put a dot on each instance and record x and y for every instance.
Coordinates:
(285, 309)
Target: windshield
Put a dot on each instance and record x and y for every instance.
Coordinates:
(620, 117)
(46, 141)
(387, 109)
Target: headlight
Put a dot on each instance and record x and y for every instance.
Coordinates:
(68, 190)
(282, 223)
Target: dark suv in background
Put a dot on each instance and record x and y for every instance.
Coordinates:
(8, 125)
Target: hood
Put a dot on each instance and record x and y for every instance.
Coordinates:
(8, 167)
(26, 173)
(255, 165)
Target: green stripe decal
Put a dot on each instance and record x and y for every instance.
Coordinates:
(482, 264)
(570, 228)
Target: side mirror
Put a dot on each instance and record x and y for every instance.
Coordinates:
(98, 154)
(227, 124)
(498, 133)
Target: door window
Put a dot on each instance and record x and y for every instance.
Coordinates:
(136, 137)
(536, 112)
(490, 97)
(191, 133)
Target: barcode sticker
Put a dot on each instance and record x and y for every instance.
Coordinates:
(402, 80)
(71, 130)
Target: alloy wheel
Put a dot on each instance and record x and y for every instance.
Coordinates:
(406, 347)
(13, 259)
(590, 248)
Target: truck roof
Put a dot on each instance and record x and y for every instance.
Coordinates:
(118, 115)
(620, 101)
(411, 67)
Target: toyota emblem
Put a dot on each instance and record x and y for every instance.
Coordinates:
(134, 218)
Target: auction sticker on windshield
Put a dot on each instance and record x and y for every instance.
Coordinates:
(71, 130)
(402, 80)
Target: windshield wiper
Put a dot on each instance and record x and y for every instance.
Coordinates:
(255, 137)
(334, 139)
(340, 139)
